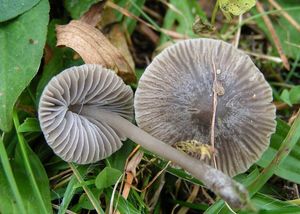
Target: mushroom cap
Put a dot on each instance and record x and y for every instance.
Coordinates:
(174, 101)
(75, 137)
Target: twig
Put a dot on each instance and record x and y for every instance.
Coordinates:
(125, 12)
(154, 179)
(111, 210)
(128, 181)
(263, 56)
(131, 172)
(295, 186)
(144, 29)
(191, 198)
(209, 198)
(63, 182)
(287, 16)
(214, 106)
(60, 174)
(274, 35)
(152, 203)
(281, 106)
(152, 13)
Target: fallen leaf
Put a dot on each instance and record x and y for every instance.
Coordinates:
(103, 18)
(236, 7)
(93, 15)
(118, 38)
(94, 48)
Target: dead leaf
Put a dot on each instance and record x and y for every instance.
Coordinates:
(94, 48)
(118, 38)
(93, 15)
(201, 26)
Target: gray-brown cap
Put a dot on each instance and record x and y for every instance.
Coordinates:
(75, 137)
(174, 101)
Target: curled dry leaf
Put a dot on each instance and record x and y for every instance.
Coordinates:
(118, 38)
(94, 48)
(93, 15)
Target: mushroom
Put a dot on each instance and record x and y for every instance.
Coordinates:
(84, 114)
(178, 91)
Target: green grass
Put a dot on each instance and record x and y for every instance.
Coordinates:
(34, 180)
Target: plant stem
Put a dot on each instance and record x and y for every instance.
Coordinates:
(29, 170)
(10, 177)
(232, 192)
(90, 195)
(214, 13)
(259, 15)
(284, 150)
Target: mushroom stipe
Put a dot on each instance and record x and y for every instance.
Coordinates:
(84, 114)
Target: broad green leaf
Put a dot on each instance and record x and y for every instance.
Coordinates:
(285, 97)
(12, 8)
(117, 160)
(295, 95)
(288, 35)
(21, 48)
(30, 125)
(236, 7)
(292, 96)
(107, 177)
(77, 8)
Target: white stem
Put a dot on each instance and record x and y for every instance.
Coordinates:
(231, 191)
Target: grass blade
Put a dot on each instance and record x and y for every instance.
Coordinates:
(10, 177)
(284, 150)
(68, 195)
(89, 193)
(27, 163)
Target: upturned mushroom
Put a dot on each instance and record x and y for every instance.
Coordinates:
(84, 114)
(206, 91)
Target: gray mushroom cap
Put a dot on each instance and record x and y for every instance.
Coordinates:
(174, 99)
(75, 137)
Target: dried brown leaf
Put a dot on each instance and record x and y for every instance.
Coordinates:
(118, 38)
(275, 38)
(94, 48)
(93, 15)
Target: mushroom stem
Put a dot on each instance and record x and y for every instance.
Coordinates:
(229, 190)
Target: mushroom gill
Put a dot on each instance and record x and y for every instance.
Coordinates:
(77, 138)
(174, 101)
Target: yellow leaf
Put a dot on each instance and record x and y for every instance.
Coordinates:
(236, 7)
